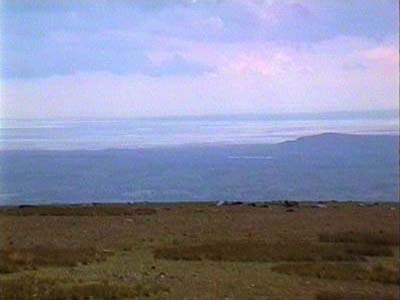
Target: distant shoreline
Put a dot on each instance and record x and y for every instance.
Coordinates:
(205, 144)
(255, 204)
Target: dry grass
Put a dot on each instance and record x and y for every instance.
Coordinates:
(31, 288)
(340, 271)
(374, 238)
(250, 250)
(79, 210)
(12, 260)
(187, 227)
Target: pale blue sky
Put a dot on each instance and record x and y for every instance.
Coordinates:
(134, 58)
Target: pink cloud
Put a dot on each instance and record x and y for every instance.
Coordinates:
(384, 59)
(384, 55)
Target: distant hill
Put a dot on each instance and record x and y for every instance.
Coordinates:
(324, 167)
(330, 139)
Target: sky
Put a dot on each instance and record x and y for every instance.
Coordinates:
(125, 58)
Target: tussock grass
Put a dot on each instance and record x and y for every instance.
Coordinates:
(247, 250)
(94, 210)
(12, 260)
(145, 211)
(328, 295)
(385, 275)
(340, 271)
(373, 238)
(367, 249)
(32, 288)
(6, 268)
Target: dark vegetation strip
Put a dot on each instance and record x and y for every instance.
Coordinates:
(341, 271)
(329, 295)
(374, 238)
(32, 288)
(247, 250)
(12, 260)
(78, 210)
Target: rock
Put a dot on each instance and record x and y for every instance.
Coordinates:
(319, 206)
(26, 206)
(287, 203)
(222, 203)
(161, 275)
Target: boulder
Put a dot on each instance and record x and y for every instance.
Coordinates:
(287, 203)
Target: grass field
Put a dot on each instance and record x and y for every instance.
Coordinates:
(199, 251)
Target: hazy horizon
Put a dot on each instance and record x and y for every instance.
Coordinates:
(380, 113)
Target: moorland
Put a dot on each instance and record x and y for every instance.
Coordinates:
(335, 251)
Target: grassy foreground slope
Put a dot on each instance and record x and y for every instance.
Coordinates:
(199, 251)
